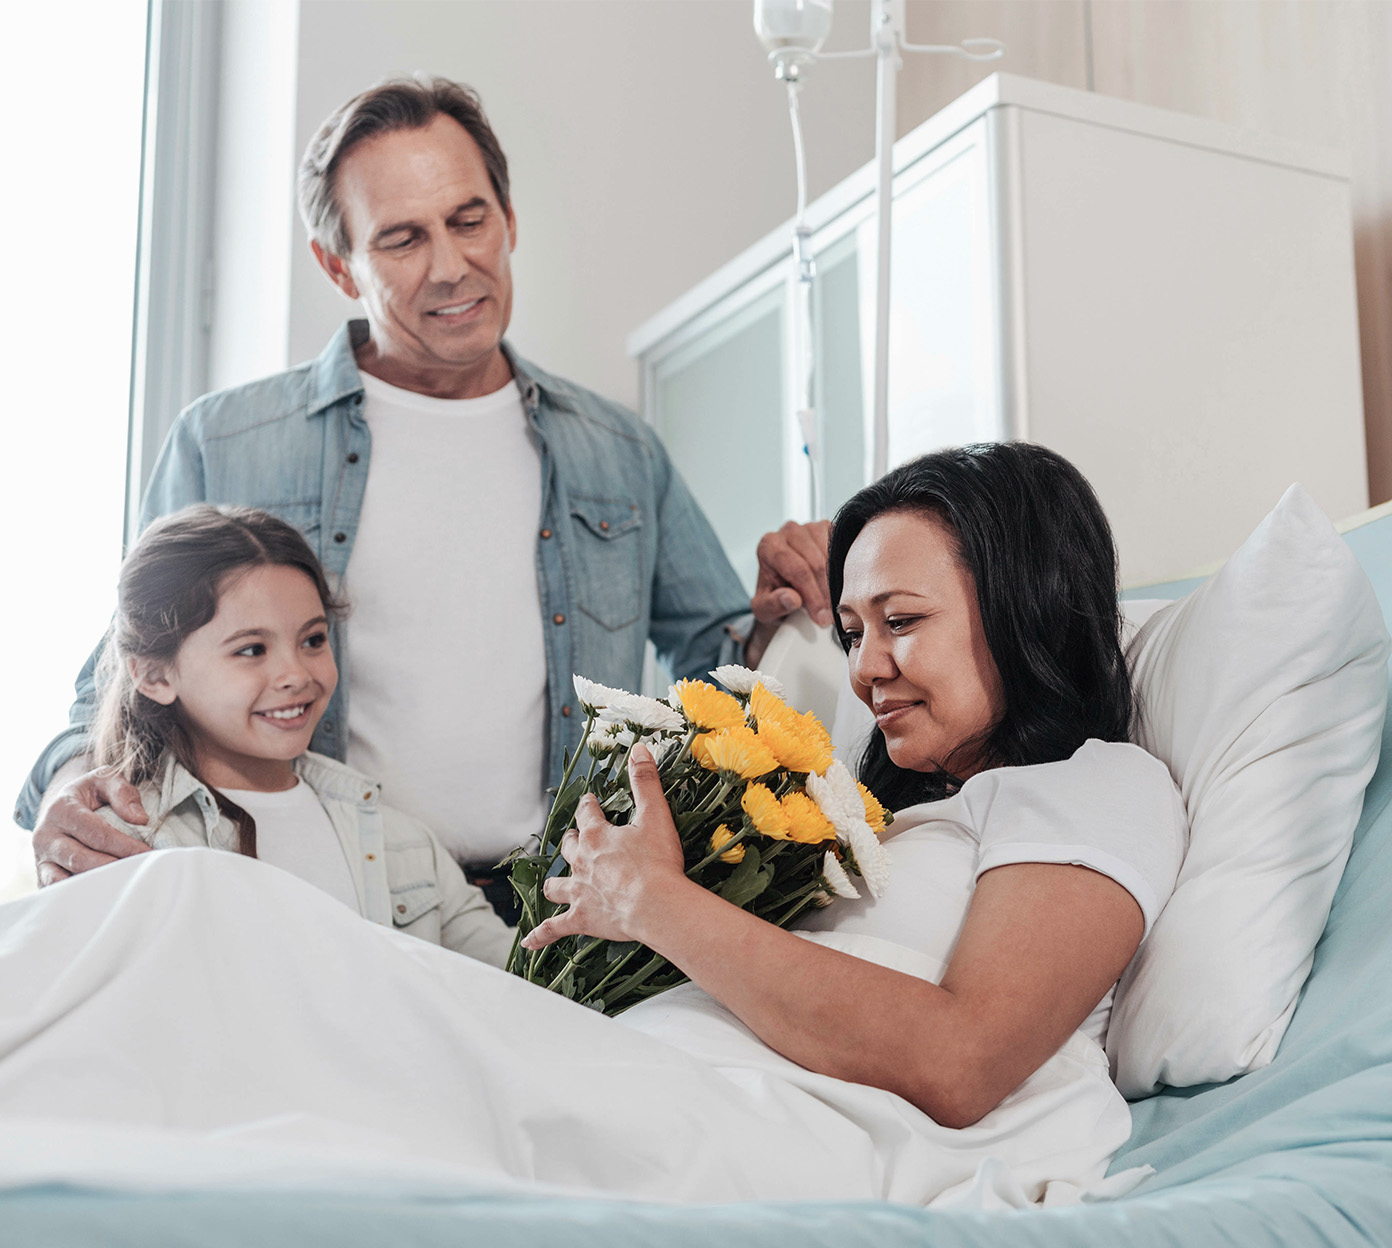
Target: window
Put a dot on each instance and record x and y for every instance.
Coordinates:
(74, 95)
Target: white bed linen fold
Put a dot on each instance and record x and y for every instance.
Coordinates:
(193, 1019)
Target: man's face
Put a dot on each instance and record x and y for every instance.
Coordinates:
(430, 258)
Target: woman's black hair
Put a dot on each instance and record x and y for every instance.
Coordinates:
(1029, 529)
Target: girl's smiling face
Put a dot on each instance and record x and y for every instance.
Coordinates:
(918, 655)
(252, 683)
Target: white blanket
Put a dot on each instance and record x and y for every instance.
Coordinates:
(193, 1019)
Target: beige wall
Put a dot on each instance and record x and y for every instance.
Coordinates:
(649, 143)
(647, 140)
(1319, 71)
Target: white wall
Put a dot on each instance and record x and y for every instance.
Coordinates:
(647, 139)
(649, 142)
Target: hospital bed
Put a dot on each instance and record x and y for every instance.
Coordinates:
(1296, 1153)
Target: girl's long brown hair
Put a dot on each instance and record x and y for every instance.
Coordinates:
(169, 587)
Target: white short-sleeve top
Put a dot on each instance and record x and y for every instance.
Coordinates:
(1111, 807)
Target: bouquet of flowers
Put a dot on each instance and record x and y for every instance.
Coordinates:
(768, 820)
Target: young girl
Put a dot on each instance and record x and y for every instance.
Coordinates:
(217, 670)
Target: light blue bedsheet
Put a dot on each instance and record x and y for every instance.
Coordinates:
(1297, 1154)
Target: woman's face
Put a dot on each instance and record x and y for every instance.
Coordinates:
(918, 654)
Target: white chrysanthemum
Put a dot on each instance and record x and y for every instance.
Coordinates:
(603, 738)
(663, 746)
(870, 858)
(741, 680)
(592, 695)
(836, 878)
(646, 713)
(838, 798)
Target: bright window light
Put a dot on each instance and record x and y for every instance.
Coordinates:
(69, 214)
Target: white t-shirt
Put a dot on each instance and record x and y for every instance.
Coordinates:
(446, 656)
(293, 832)
(1111, 807)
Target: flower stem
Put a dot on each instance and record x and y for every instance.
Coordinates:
(574, 961)
(570, 769)
(617, 967)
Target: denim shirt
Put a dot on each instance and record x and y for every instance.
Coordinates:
(623, 551)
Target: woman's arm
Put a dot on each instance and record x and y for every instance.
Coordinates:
(1041, 945)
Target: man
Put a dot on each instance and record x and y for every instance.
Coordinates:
(469, 615)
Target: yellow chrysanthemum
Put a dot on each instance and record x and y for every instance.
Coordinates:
(721, 836)
(806, 823)
(735, 750)
(766, 705)
(793, 745)
(706, 706)
(874, 812)
(799, 741)
(765, 812)
(816, 730)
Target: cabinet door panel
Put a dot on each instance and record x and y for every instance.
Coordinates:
(942, 375)
(720, 412)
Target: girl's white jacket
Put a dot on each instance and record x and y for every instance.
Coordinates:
(404, 876)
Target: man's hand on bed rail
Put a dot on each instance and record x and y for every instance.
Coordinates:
(792, 574)
(70, 838)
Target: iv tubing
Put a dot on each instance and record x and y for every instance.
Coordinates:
(796, 119)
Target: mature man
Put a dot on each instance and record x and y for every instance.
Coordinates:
(513, 527)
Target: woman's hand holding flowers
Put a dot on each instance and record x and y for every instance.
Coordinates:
(616, 873)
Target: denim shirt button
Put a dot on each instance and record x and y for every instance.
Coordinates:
(565, 712)
(546, 532)
(558, 618)
(352, 457)
(340, 537)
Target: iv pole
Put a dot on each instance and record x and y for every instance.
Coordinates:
(886, 26)
(886, 43)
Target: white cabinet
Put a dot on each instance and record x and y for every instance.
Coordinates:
(1166, 301)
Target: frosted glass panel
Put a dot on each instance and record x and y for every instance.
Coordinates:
(839, 388)
(719, 411)
(942, 389)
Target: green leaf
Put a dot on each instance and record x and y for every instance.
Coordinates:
(617, 802)
(618, 949)
(563, 810)
(746, 881)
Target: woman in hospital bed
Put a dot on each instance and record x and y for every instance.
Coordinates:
(939, 1045)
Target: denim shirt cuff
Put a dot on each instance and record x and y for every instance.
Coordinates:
(67, 745)
(736, 634)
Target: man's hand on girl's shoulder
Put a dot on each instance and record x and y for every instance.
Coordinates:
(70, 837)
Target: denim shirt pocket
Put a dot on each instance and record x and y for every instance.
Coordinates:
(409, 904)
(608, 553)
(411, 878)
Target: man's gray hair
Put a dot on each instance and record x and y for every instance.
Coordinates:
(396, 104)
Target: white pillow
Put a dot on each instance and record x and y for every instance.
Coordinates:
(1264, 691)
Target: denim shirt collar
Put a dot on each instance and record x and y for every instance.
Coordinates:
(327, 777)
(334, 376)
(178, 785)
